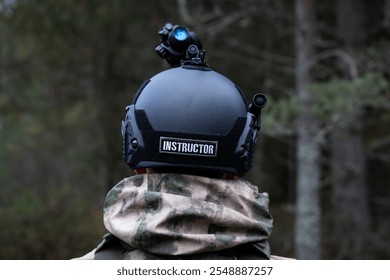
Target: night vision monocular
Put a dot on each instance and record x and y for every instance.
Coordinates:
(177, 43)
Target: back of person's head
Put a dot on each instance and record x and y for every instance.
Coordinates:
(191, 119)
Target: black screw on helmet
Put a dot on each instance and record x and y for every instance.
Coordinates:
(190, 117)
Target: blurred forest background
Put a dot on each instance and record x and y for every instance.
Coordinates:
(68, 68)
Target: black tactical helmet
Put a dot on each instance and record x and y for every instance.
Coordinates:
(191, 118)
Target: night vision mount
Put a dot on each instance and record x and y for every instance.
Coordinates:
(180, 46)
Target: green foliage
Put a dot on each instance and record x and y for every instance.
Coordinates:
(55, 225)
(335, 101)
(340, 101)
(279, 116)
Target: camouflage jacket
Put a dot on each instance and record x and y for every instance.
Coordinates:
(174, 215)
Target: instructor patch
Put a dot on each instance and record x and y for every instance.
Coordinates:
(190, 147)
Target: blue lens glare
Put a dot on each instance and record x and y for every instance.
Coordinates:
(180, 34)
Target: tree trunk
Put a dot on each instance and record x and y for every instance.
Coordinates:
(348, 163)
(308, 211)
(350, 209)
(386, 20)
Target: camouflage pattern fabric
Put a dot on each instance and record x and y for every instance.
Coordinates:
(174, 214)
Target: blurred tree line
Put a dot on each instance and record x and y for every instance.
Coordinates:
(68, 69)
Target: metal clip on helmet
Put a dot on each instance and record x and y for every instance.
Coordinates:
(191, 118)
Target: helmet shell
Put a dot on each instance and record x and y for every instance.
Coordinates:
(189, 117)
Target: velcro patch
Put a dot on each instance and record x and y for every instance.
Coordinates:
(190, 147)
